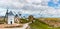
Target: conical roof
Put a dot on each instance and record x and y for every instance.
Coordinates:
(16, 15)
(10, 13)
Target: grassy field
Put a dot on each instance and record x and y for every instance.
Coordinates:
(23, 21)
(40, 25)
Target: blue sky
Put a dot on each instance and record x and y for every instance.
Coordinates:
(46, 8)
(52, 4)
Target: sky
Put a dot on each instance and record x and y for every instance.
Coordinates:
(37, 8)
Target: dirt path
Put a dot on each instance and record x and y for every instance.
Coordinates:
(24, 26)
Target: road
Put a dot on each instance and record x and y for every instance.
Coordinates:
(24, 26)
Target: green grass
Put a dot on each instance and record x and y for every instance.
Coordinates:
(40, 25)
(24, 21)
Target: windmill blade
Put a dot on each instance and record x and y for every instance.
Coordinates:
(14, 12)
(19, 13)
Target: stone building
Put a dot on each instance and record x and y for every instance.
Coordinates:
(17, 19)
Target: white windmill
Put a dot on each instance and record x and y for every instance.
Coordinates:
(10, 17)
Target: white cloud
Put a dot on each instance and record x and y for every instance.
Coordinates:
(10, 4)
(2, 11)
(29, 7)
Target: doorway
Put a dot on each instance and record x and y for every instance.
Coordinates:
(11, 22)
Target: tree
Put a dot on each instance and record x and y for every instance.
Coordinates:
(31, 18)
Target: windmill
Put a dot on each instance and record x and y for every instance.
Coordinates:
(10, 17)
(19, 14)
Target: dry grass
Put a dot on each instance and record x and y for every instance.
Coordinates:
(51, 21)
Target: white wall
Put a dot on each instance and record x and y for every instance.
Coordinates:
(10, 18)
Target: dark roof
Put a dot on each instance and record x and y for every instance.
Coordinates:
(19, 14)
(16, 15)
(10, 13)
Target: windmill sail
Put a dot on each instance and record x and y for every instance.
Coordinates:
(6, 15)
